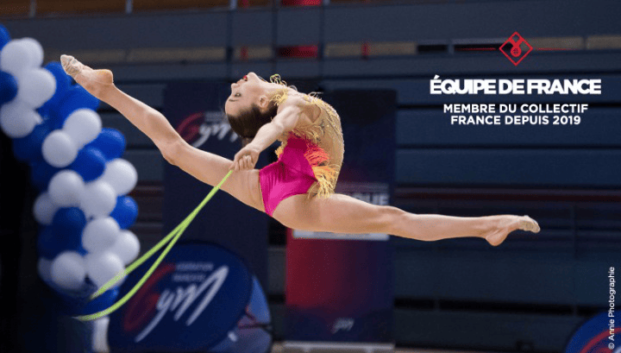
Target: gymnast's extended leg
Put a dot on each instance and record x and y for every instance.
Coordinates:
(344, 214)
(206, 167)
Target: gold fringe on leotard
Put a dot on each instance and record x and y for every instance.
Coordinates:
(325, 172)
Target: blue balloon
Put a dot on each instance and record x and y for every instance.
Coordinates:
(125, 212)
(50, 243)
(4, 36)
(67, 226)
(47, 245)
(41, 173)
(28, 149)
(8, 87)
(110, 142)
(80, 250)
(69, 221)
(90, 163)
(63, 83)
(76, 98)
(102, 302)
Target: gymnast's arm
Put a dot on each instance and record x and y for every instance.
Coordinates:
(285, 121)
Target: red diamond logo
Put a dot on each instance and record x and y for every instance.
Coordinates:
(516, 48)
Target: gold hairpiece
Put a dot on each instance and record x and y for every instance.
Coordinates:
(275, 78)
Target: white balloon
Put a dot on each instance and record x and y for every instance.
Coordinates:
(17, 119)
(44, 267)
(58, 149)
(68, 270)
(121, 175)
(44, 209)
(98, 199)
(100, 234)
(36, 86)
(83, 126)
(15, 57)
(66, 188)
(102, 267)
(126, 247)
(35, 51)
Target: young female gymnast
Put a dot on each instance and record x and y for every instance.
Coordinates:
(298, 189)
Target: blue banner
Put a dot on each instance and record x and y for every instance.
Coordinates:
(201, 298)
(595, 335)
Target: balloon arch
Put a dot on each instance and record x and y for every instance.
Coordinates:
(83, 208)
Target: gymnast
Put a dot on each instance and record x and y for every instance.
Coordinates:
(298, 189)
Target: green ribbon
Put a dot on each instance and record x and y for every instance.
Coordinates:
(171, 239)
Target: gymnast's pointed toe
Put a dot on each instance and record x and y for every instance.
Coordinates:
(71, 65)
(65, 60)
(529, 224)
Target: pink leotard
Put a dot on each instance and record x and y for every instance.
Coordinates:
(302, 166)
(292, 174)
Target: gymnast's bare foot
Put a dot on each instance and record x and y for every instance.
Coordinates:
(96, 82)
(507, 224)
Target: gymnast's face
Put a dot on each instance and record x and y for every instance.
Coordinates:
(249, 90)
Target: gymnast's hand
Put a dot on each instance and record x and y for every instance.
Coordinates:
(246, 158)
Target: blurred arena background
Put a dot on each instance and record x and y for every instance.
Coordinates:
(531, 293)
